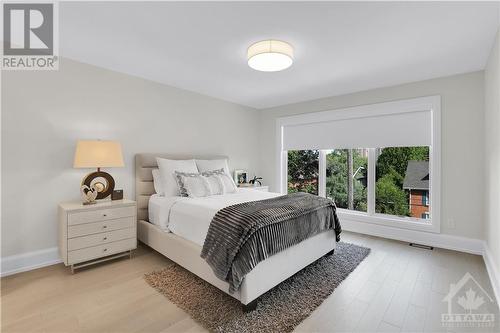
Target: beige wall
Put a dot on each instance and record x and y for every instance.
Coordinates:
(44, 113)
(462, 139)
(492, 152)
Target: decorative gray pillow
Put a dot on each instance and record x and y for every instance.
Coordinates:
(192, 185)
(179, 178)
(214, 172)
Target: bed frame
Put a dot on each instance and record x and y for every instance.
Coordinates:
(266, 275)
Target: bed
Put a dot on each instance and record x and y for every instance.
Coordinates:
(184, 246)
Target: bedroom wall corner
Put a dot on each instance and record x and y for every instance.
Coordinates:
(492, 164)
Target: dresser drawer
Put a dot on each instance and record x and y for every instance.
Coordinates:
(100, 215)
(101, 250)
(99, 239)
(100, 227)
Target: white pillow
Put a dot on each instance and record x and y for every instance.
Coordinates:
(211, 165)
(157, 182)
(192, 185)
(227, 183)
(167, 169)
(215, 183)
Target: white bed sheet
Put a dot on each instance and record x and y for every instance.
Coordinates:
(190, 218)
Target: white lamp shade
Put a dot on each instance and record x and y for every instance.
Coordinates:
(270, 55)
(98, 154)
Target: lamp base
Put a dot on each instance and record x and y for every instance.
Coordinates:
(102, 182)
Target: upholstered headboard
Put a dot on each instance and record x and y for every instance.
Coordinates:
(144, 164)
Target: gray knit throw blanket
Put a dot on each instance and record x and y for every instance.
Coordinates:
(242, 235)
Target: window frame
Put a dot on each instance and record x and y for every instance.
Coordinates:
(430, 103)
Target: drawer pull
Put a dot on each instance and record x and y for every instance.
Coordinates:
(104, 215)
(105, 250)
(104, 226)
(105, 238)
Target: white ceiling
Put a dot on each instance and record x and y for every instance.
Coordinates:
(339, 47)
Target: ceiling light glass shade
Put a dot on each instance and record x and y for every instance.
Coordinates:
(270, 55)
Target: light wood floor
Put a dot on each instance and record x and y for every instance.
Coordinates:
(397, 288)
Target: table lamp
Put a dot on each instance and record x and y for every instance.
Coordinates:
(98, 154)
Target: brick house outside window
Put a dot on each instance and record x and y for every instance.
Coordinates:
(416, 182)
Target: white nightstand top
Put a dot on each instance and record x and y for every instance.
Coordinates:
(257, 188)
(77, 205)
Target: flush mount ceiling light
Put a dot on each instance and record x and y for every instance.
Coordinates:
(270, 55)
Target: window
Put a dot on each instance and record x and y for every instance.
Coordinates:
(303, 171)
(346, 178)
(380, 163)
(402, 181)
(401, 184)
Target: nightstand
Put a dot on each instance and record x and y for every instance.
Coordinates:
(262, 188)
(89, 234)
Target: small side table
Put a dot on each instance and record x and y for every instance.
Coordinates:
(90, 234)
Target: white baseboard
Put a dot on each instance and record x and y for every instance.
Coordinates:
(28, 261)
(450, 242)
(493, 273)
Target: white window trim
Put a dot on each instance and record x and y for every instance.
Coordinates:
(430, 103)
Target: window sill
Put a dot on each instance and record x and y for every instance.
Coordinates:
(389, 220)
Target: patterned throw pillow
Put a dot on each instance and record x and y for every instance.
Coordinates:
(214, 172)
(192, 184)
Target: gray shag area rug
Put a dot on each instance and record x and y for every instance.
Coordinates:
(279, 310)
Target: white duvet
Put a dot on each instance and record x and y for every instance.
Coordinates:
(190, 217)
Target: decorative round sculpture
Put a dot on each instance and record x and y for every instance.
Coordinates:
(102, 182)
(88, 194)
